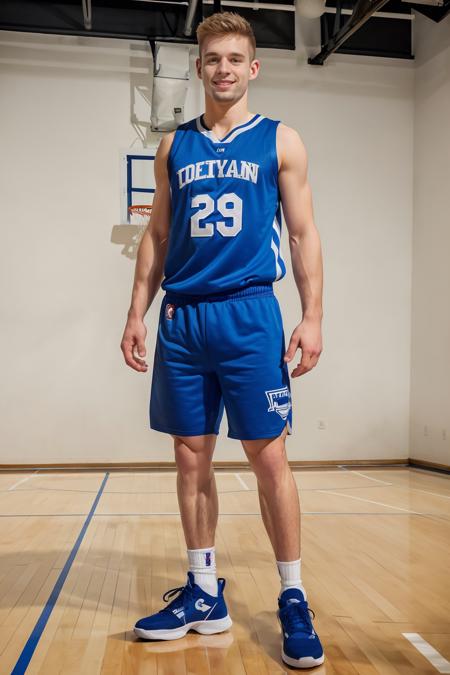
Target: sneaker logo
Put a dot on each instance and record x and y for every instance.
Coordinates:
(279, 401)
(201, 606)
(179, 612)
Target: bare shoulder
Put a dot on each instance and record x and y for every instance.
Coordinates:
(286, 132)
(290, 146)
(165, 144)
(161, 156)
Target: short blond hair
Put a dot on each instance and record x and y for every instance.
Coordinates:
(226, 23)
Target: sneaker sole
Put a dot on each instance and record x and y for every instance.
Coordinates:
(303, 662)
(204, 627)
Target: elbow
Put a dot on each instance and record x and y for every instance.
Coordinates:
(295, 240)
(300, 234)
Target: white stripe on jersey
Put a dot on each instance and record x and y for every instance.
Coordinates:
(207, 132)
(277, 249)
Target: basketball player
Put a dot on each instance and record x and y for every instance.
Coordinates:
(214, 242)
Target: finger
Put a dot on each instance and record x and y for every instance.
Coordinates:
(140, 347)
(138, 357)
(126, 346)
(299, 370)
(306, 364)
(137, 364)
(293, 345)
(130, 359)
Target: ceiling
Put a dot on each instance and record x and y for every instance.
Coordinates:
(370, 27)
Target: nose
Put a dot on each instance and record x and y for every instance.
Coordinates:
(223, 65)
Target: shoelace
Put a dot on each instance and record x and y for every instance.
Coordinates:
(178, 594)
(296, 617)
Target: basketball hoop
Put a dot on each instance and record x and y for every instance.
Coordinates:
(139, 218)
(143, 210)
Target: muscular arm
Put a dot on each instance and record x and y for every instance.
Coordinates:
(304, 240)
(152, 250)
(149, 269)
(304, 244)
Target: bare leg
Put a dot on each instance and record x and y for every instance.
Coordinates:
(197, 497)
(280, 509)
(196, 489)
(278, 496)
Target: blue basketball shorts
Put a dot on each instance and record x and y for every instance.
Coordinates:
(216, 351)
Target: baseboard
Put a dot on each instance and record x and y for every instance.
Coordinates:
(430, 466)
(225, 466)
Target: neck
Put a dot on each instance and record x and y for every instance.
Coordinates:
(226, 116)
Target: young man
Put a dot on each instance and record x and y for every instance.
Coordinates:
(214, 235)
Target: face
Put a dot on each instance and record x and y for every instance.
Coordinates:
(226, 67)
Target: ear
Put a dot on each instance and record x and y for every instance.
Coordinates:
(254, 69)
(198, 66)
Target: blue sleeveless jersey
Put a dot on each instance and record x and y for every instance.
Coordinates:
(225, 229)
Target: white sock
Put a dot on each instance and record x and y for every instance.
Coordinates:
(202, 563)
(290, 575)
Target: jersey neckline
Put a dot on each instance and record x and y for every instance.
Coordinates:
(231, 135)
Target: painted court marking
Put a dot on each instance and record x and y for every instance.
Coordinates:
(427, 492)
(396, 485)
(22, 480)
(430, 653)
(242, 482)
(173, 492)
(27, 653)
(377, 480)
(369, 501)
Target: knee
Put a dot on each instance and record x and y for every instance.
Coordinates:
(193, 457)
(269, 462)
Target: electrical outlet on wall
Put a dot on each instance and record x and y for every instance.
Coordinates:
(425, 430)
(321, 424)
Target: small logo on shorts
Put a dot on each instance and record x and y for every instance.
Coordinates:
(170, 311)
(279, 401)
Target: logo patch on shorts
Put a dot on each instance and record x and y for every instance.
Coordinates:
(279, 401)
(170, 310)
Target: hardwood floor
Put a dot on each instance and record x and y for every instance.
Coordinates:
(84, 555)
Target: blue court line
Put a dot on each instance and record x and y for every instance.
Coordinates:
(28, 651)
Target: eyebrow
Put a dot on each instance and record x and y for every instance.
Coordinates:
(232, 54)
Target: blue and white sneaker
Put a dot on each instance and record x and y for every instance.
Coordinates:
(301, 645)
(192, 608)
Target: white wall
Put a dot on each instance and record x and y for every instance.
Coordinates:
(430, 364)
(67, 396)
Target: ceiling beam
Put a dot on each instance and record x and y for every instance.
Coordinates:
(362, 12)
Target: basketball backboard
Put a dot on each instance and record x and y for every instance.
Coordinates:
(137, 179)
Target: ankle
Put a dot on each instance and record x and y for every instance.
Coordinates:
(202, 564)
(290, 575)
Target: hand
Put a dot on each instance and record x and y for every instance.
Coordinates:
(133, 341)
(308, 337)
